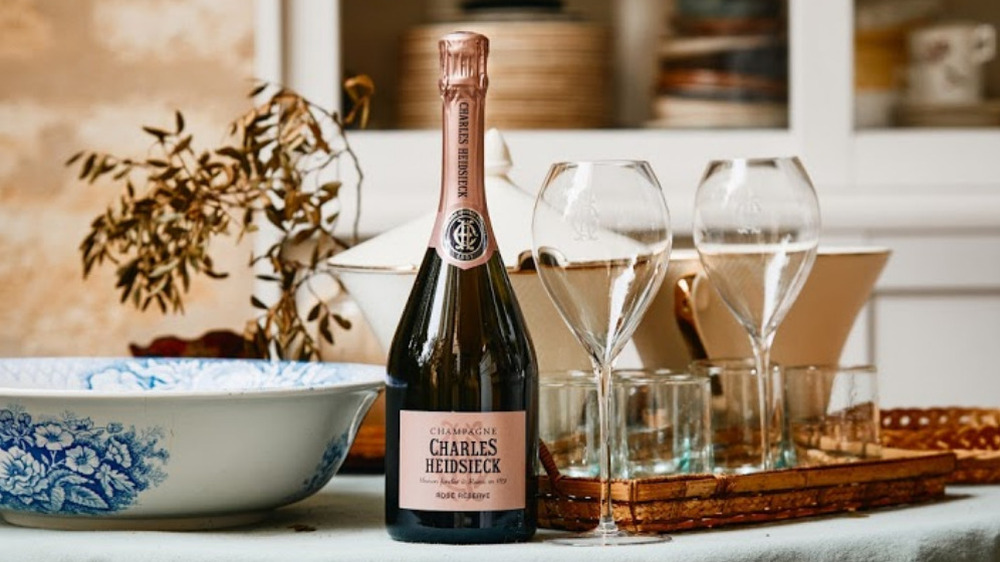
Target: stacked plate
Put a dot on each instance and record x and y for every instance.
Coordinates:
(547, 73)
(982, 114)
(726, 66)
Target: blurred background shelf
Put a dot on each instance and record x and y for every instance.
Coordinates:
(930, 194)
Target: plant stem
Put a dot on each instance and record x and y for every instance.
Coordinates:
(361, 176)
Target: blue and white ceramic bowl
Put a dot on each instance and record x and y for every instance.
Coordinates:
(171, 443)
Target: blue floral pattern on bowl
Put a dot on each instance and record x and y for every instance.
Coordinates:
(170, 375)
(333, 455)
(209, 374)
(68, 465)
(109, 459)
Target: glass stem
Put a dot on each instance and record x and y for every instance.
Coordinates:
(762, 363)
(606, 525)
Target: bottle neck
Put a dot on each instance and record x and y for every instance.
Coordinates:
(462, 143)
(462, 233)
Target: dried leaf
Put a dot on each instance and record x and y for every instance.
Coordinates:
(342, 322)
(160, 134)
(182, 145)
(329, 191)
(185, 276)
(166, 175)
(303, 235)
(127, 273)
(74, 158)
(275, 217)
(324, 329)
(88, 165)
(231, 152)
(257, 90)
(314, 312)
(161, 302)
(107, 164)
(360, 90)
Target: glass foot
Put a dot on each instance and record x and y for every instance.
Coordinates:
(614, 538)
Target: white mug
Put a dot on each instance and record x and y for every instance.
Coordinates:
(946, 62)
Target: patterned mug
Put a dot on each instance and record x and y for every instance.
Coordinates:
(946, 62)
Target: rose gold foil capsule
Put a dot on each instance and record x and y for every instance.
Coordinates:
(463, 60)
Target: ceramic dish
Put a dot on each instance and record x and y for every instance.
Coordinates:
(678, 47)
(171, 443)
(719, 85)
(982, 114)
(681, 112)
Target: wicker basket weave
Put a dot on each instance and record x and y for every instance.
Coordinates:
(973, 434)
(674, 503)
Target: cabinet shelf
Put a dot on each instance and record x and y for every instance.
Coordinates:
(821, 131)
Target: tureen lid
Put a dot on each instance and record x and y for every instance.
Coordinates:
(403, 248)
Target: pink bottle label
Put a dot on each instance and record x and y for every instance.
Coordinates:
(461, 461)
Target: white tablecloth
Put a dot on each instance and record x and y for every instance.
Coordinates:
(347, 516)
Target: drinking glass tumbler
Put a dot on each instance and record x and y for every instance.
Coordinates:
(665, 423)
(567, 421)
(737, 447)
(833, 412)
(660, 423)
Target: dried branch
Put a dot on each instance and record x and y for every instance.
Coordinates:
(176, 201)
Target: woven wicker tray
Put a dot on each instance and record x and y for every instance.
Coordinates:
(674, 503)
(973, 434)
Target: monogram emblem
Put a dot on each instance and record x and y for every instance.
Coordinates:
(749, 215)
(464, 236)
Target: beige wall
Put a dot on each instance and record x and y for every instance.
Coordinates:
(78, 74)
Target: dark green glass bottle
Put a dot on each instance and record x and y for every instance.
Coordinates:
(462, 381)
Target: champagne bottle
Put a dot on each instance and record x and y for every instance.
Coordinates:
(462, 379)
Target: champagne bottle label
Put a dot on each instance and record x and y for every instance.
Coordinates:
(461, 461)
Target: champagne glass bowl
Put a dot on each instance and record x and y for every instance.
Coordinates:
(171, 443)
(609, 220)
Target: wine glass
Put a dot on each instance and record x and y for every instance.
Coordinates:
(601, 239)
(756, 228)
